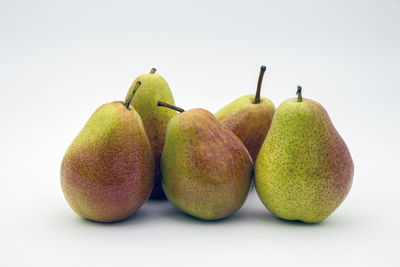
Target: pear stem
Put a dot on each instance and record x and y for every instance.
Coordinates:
(163, 104)
(260, 79)
(298, 93)
(153, 70)
(129, 100)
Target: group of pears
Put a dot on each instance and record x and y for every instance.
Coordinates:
(204, 163)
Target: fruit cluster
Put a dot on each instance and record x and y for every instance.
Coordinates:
(202, 163)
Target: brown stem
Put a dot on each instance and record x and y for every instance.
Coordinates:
(163, 104)
(153, 70)
(260, 78)
(129, 100)
(298, 93)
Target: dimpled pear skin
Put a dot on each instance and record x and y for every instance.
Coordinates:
(108, 171)
(206, 169)
(304, 170)
(248, 121)
(154, 88)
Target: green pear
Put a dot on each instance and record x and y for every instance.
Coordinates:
(249, 117)
(206, 169)
(108, 171)
(155, 120)
(304, 170)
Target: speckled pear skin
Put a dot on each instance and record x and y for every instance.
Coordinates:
(304, 170)
(206, 169)
(248, 121)
(154, 88)
(108, 171)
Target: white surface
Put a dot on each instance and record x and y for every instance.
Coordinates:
(59, 61)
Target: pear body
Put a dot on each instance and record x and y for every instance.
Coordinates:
(152, 89)
(206, 169)
(108, 171)
(304, 169)
(248, 121)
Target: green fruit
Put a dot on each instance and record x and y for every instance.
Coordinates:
(108, 171)
(206, 169)
(155, 120)
(304, 169)
(249, 117)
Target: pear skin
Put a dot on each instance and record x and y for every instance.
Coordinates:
(248, 121)
(153, 88)
(304, 169)
(108, 171)
(206, 169)
(249, 118)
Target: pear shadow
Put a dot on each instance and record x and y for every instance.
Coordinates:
(169, 212)
(155, 210)
(267, 218)
(138, 217)
(177, 215)
(297, 222)
(151, 211)
(256, 216)
(157, 200)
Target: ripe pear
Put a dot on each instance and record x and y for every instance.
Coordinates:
(108, 171)
(155, 120)
(249, 117)
(304, 169)
(206, 169)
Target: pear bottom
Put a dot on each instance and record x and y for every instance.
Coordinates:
(103, 203)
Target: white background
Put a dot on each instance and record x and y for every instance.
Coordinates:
(59, 61)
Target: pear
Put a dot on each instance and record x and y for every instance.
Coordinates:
(108, 171)
(206, 169)
(249, 117)
(304, 169)
(155, 120)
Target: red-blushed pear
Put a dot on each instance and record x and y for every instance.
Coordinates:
(206, 169)
(154, 87)
(108, 171)
(304, 170)
(249, 117)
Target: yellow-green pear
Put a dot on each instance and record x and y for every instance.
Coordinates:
(304, 169)
(206, 169)
(249, 117)
(108, 171)
(155, 120)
